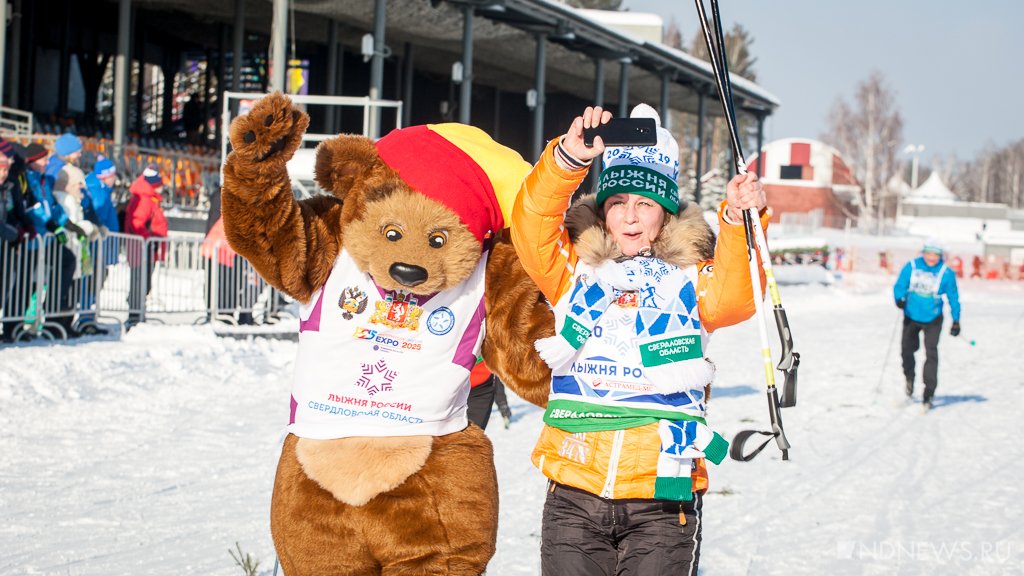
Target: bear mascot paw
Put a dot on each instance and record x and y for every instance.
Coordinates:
(395, 270)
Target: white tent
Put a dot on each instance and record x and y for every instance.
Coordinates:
(933, 190)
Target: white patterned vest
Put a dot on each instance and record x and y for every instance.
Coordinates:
(644, 360)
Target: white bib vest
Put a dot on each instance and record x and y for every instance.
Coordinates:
(925, 282)
(646, 351)
(377, 363)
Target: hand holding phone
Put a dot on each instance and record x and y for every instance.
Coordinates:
(623, 132)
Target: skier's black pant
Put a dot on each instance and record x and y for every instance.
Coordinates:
(586, 535)
(481, 398)
(912, 341)
(500, 399)
(136, 295)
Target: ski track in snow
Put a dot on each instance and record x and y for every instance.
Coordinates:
(155, 453)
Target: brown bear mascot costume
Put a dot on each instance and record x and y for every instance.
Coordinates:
(395, 271)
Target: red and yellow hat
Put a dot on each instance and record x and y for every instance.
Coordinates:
(461, 167)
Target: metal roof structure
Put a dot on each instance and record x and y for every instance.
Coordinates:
(504, 45)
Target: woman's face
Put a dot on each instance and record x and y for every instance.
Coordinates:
(634, 221)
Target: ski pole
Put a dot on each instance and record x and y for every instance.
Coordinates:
(888, 352)
(790, 360)
(755, 243)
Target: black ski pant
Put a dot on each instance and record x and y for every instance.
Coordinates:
(136, 294)
(500, 399)
(586, 535)
(481, 398)
(911, 342)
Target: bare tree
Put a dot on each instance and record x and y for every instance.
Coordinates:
(868, 134)
(673, 35)
(996, 175)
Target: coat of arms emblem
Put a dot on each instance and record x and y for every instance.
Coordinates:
(352, 301)
(397, 310)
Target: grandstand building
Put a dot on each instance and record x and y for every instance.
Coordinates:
(147, 78)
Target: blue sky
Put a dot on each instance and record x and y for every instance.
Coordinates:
(955, 66)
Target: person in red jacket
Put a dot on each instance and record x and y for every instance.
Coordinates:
(144, 217)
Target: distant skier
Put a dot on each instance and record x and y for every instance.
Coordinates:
(918, 292)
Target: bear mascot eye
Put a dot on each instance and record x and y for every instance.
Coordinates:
(437, 239)
(392, 233)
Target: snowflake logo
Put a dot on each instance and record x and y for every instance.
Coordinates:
(376, 377)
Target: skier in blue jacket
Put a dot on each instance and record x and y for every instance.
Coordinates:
(919, 291)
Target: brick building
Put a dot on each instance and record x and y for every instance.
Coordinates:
(802, 175)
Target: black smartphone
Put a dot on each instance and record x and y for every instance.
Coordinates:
(623, 132)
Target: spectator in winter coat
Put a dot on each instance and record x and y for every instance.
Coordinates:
(11, 204)
(144, 217)
(69, 191)
(918, 292)
(17, 201)
(67, 149)
(11, 220)
(100, 186)
(44, 211)
(48, 215)
(637, 283)
(98, 208)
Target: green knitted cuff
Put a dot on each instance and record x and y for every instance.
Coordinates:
(717, 449)
(673, 488)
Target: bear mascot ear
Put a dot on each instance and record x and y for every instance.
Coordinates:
(348, 161)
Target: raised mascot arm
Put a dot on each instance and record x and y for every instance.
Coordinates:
(292, 244)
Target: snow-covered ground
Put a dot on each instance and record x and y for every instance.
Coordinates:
(154, 453)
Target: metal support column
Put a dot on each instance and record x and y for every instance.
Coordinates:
(139, 52)
(3, 47)
(332, 74)
(538, 110)
(14, 70)
(28, 85)
(599, 82)
(407, 80)
(466, 88)
(666, 117)
(222, 72)
(121, 67)
(377, 64)
(238, 46)
(700, 144)
(65, 60)
(278, 45)
(169, 66)
(624, 87)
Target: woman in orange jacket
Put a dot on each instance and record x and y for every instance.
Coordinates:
(637, 283)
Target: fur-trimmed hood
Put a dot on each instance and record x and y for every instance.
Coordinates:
(685, 239)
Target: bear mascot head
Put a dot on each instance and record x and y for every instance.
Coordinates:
(395, 271)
